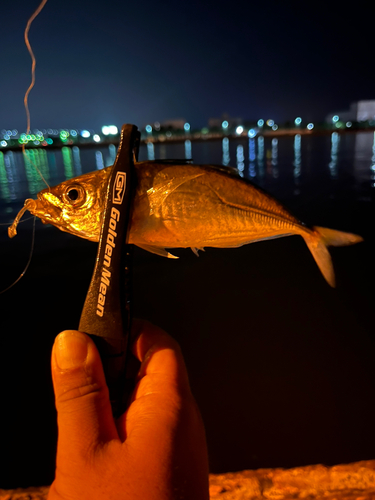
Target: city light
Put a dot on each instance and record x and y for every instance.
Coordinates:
(252, 133)
(108, 130)
(13, 139)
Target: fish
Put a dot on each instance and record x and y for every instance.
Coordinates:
(182, 205)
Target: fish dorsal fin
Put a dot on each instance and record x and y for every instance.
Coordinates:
(167, 181)
(158, 251)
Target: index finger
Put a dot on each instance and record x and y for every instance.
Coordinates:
(160, 356)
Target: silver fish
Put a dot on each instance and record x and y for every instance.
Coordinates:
(183, 205)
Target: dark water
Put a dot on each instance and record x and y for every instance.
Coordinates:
(282, 366)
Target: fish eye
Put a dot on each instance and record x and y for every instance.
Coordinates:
(74, 195)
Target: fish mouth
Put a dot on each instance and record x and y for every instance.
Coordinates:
(46, 212)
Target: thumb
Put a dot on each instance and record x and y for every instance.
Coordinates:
(84, 414)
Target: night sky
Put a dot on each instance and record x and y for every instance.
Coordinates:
(140, 62)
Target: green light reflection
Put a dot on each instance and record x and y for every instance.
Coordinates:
(4, 189)
(36, 158)
(68, 162)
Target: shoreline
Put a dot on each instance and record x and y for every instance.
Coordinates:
(197, 137)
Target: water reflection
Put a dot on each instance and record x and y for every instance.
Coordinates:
(188, 154)
(252, 158)
(4, 186)
(240, 160)
(10, 174)
(150, 151)
(19, 178)
(163, 152)
(77, 160)
(35, 158)
(297, 162)
(99, 160)
(112, 155)
(261, 156)
(225, 146)
(335, 142)
(68, 162)
(372, 168)
(274, 159)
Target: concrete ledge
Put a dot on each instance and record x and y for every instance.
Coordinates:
(354, 481)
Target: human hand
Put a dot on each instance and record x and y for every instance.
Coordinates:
(155, 451)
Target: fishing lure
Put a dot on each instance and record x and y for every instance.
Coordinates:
(180, 205)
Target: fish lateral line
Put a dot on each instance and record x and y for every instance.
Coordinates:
(262, 211)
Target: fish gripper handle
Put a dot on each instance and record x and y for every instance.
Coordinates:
(106, 314)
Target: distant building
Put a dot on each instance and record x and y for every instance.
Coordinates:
(177, 123)
(359, 111)
(365, 111)
(232, 122)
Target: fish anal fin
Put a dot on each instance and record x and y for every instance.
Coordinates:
(195, 250)
(158, 251)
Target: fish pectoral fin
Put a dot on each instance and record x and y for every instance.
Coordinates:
(195, 250)
(166, 182)
(158, 251)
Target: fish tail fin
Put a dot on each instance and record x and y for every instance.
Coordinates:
(317, 242)
(321, 255)
(334, 238)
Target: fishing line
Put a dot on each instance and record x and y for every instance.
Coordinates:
(11, 224)
(33, 65)
(25, 101)
(28, 262)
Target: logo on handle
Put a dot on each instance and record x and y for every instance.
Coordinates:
(119, 188)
